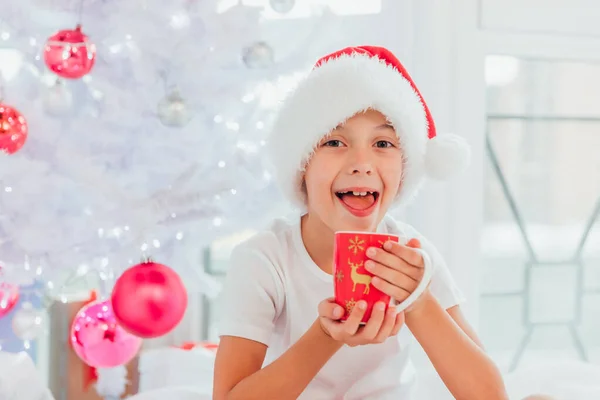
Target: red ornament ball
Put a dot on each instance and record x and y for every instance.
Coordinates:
(9, 296)
(69, 53)
(13, 129)
(149, 299)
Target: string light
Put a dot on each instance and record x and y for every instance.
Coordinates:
(234, 126)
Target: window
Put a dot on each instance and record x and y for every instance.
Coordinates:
(541, 241)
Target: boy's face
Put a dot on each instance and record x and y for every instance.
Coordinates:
(355, 173)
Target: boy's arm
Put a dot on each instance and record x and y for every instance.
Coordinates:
(451, 345)
(238, 373)
(455, 353)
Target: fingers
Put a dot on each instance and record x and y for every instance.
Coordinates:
(398, 323)
(352, 324)
(374, 325)
(330, 309)
(381, 324)
(388, 326)
(414, 243)
(382, 257)
(398, 291)
(394, 261)
(390, 273)
(406, 253)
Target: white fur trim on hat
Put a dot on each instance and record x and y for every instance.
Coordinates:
(332, 93)
(446, 156)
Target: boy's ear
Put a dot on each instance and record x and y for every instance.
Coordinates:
(303, 187)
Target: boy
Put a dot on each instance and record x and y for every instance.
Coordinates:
(354, 139)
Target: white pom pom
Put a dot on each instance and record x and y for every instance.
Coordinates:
(111, 382)
(446, 156)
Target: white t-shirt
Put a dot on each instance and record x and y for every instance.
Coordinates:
(271, 296)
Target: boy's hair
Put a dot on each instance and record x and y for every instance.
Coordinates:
(343, 84)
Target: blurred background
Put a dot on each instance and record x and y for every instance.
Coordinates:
(183, 178)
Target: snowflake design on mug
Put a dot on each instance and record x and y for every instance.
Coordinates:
(356, 244)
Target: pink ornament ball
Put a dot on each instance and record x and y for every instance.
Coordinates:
(99, 340)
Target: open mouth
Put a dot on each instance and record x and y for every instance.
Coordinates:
(358, 200)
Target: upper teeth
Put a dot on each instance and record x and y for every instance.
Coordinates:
(357, 193)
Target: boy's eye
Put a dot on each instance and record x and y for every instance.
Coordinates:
(383, 144)
(333, 143)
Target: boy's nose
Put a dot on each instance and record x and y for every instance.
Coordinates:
(360, 162)
(361, 168)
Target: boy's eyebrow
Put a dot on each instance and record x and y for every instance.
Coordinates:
(385, 126)
(378, 127)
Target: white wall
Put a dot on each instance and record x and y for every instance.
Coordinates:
(448, 68)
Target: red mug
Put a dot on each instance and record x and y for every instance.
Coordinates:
(352, 282)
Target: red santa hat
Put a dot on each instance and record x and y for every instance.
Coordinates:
(343, 84)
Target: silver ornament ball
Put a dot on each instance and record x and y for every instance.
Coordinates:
(28, 323)
(258, 55)
(57, 99)
(282, 6)
(173, 110)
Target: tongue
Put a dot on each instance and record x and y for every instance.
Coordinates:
(358, 202)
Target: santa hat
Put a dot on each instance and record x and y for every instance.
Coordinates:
(343, 84)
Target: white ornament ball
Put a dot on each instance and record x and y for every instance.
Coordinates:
(173, 110)
(57, 99)
(282, 6)
(29, 323)
(258, 55)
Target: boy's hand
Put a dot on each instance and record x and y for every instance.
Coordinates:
(380, 326)
(398, 269)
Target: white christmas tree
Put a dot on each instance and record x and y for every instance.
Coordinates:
(157, 151)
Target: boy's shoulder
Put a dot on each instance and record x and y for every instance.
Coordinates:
(272, 241)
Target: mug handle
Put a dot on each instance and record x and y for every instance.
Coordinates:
(427, 274)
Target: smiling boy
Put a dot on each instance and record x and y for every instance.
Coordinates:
(354, 139)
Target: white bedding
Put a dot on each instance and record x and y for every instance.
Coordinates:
(187, 375)
(563, 381)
